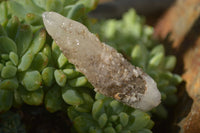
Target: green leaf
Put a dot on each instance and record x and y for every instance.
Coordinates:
(62, 60)
(16, 9)
(3, 12)
(99, 96)
(6, 100)
(159, 49)
(55, 51)
(41, 3)
(119, 128)
(97, 109)
(23, 39)
(32, 97)
(5, 57)
(78, 82)
(89, 4)
(9, 63)
(169, 90)
(8, 71)
(88, 101)
(54, 5)
(124, 118)
(38, 41)
(14, 58)
(150, 125)
(76, 11)
(48, 76)
(109, 130)
(69, 2)
(166, 75)
(39, 62)
(9, 84)
(33, 19)
(53, 100)
(102, 120)
(116, 106)
(110, 27)
(156, 61)
(141, 120)
(170, 62)
(12, 27)
(113, 118)
(32, 80)
(139, 55)
(1, 67)
(47, 51)
(83, 108)
(176, 79)
(7, 45)
(60, 77)
(132, 25)
(36, 28)
(26, 61)
(95, 130)
(30, 6)
(17, 102)
(72, 113)
(2, 31)
(71, 96)
(87, 97)
(71, 73)
(83, 123)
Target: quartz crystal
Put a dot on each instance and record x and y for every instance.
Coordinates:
(106, 69)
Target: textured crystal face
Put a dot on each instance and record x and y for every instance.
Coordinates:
(106, 69)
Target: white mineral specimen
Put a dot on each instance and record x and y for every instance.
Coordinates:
(104, 67)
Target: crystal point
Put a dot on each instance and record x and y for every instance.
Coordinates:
(106, 69)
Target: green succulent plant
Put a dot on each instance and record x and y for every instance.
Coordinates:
(30, 66)
(110, 116)
(30, 11)
(34, 71)
(11, 123)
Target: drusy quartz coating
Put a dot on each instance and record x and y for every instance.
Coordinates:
(106, 69)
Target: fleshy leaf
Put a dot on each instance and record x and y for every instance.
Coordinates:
(53, 100)
(7, 45)
(8, 71)
(71, 96)
(32, 80)
(6, 100)
(23, 39)
(60, 77)
(32, 97)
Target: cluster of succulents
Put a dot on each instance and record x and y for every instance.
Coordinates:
(30, 62)
(110, 116)
(11, 123)
(34, 71)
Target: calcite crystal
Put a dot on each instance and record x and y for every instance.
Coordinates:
(106, 69)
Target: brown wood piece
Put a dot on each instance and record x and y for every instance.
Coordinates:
(178, 20)
(181, 26)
